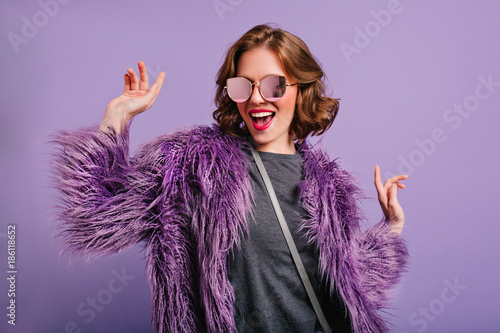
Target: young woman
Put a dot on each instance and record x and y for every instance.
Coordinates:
(217, 258)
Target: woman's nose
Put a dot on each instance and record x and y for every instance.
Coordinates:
(256, 97)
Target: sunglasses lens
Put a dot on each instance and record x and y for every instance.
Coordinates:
(239, 89)
(273, 87)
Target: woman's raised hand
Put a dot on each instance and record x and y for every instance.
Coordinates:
(387, 197)
(136, 98)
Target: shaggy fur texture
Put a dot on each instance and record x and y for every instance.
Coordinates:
(188, 195)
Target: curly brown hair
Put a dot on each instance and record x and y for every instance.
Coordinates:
(314, 112)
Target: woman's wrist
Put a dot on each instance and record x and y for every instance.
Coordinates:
(397, 225)
(113, 121)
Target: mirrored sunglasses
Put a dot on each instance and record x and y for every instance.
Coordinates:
(271, 88)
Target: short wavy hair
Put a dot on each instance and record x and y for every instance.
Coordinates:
(314, 112)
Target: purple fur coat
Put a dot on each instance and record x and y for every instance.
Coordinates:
(187, 195)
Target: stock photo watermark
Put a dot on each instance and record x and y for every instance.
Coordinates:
(223, 6)
(32, 24)
(154, 72)
(453, 117)
(11, 274)
(364, 35)
(88, 309)
(421, 318)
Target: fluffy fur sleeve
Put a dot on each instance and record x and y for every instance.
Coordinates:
(363, 266)
(383, 258)
(381, 254)
(378, 256)
(108, 202)
(104, 200)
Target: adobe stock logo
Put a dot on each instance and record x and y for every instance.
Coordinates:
(223, 6)
(154, 72)
(454, 118)
(363, 37)
(96, 303)
(29, 29)
(425, 314)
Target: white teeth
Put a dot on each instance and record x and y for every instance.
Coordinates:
(261, 114)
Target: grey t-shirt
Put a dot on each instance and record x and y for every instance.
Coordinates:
(270, 296)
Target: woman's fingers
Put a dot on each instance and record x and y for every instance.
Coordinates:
(389, 187)
(388, 198)
(126, 78)
(381, 191)
(134, 80)
(133, 100)
(155, 89)
(378, 180)
(395, 180)
(144, 84)
(393, 195)
(160, 79)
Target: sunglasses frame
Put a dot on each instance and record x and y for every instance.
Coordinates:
(258, 84)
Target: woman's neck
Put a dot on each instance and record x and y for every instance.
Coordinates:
(287, 147)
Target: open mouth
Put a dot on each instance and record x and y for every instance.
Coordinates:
(262, 120)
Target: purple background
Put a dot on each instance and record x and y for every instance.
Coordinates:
(396, 90)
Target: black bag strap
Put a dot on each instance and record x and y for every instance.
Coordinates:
(291, 244)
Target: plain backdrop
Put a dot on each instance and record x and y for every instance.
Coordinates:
(419, 83)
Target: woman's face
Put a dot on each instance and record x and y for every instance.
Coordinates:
(268, 123)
